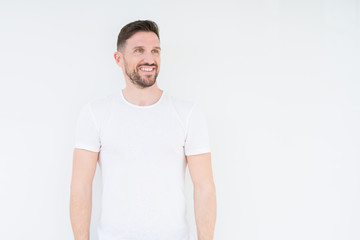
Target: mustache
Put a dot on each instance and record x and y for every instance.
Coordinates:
(149, 65)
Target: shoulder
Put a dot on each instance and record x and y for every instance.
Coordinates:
(181, 105)
(100, 107)
(187, 109)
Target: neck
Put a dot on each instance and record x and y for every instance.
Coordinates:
(142, 97)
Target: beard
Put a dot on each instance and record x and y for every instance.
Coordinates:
(136, 79)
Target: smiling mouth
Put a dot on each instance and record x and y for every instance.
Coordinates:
(147, 69)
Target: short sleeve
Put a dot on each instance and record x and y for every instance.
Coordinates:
(87, 132)
(197, 136)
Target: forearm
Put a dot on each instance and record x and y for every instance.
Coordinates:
(80, 211)
(205, 211)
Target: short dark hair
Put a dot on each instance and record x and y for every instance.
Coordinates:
(137, 26)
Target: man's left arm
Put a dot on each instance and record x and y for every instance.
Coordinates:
(204, 194)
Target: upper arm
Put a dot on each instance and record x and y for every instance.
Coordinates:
(84, 166)
(200, 169)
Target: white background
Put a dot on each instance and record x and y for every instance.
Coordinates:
(278, 80)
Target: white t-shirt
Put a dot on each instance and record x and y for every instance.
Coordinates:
(142, 163)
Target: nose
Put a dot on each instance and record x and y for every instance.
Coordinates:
(149, 58)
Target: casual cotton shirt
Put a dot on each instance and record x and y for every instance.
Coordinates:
(142, 162)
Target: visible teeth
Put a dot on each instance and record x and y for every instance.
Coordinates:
(146, 69)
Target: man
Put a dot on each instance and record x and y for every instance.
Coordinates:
(143, 138)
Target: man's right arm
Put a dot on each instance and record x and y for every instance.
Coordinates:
(84, 166)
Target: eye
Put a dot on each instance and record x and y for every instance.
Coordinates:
(138, 50)
(155, 51)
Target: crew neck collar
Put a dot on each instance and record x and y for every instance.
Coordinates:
(138, 106)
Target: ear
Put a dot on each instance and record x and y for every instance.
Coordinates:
(118, 58)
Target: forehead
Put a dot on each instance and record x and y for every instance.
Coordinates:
(145, 39)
